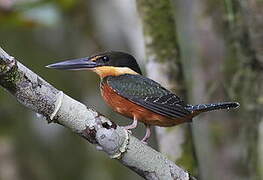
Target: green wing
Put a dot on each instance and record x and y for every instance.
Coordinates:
(148, 94)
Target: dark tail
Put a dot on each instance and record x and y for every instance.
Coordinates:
(210, 107)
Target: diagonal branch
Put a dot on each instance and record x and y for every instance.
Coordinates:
(35, 93)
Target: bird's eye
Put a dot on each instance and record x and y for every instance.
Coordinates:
(105, 59)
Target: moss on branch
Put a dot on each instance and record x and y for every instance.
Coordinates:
(9, 76)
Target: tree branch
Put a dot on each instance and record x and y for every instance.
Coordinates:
(35, 93)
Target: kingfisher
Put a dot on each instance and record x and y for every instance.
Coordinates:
(128, 92)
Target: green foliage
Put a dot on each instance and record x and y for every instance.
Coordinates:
(67, 4)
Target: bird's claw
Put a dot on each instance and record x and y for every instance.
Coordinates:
(128, 130)
(144, 142)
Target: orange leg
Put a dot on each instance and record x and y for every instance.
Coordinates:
(147, 134)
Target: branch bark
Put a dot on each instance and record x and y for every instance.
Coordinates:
(36, 94)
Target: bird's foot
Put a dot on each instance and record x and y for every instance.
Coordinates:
(145, 138)
(131, 126)
(144, 141)
(128, 129)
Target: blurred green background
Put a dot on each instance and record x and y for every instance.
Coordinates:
(41, 32)
(218, 43)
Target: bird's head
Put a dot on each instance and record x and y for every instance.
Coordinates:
(111, 63)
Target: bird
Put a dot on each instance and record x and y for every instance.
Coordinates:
(128, 92)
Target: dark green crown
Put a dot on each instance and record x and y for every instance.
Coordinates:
(117, 59)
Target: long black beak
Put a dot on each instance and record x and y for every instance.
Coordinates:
(75, 64)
